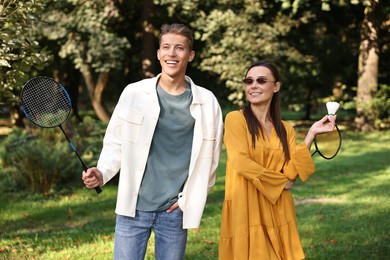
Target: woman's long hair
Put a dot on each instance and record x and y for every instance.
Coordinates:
(254, 125)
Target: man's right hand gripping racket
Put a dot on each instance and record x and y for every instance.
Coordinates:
(328, 144)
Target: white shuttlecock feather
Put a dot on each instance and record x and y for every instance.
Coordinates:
(332, 108)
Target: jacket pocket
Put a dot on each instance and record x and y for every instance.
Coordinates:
(132, 125)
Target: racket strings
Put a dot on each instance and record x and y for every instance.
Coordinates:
(45, 102)
(328, 144)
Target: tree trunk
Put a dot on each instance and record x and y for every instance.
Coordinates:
(70, 79)
(16, 116)
(96, 93)
(148, 54)
(368, 68)
(309, 103)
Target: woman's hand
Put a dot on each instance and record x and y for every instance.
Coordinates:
(326, 124)
(322, 126)
(289, 184)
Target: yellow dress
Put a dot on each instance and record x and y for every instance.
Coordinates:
(258, 214)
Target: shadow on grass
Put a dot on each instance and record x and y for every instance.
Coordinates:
(348, 231)
(353, 220)
(350, 170)
(44, 226)
(58, 217)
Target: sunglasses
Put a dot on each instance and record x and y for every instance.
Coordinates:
(259, 80)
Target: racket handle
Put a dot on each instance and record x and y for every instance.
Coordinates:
(98, 190)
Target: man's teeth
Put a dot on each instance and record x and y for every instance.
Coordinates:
(172, 62)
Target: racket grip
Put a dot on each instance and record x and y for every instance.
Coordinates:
(98, 190)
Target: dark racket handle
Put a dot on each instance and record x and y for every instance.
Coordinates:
(85, 167)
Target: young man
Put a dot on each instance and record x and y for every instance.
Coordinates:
(165, 137)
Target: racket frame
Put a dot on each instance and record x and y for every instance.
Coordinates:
(337, 151)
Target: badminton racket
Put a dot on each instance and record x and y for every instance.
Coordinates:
(46, 104)
(328, 144)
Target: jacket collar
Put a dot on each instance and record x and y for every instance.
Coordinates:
(152, 82)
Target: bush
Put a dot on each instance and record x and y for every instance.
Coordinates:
(39, 159)
(88, 135)
(381, 106)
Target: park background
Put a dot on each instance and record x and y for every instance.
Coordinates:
(325, 50)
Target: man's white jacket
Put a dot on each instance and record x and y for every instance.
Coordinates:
(129, 135)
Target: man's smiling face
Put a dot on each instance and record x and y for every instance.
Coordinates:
(174, 54)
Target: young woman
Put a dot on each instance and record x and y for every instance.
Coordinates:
(263, 161)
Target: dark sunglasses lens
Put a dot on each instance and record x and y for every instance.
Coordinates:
(248, 81)
(261, 81)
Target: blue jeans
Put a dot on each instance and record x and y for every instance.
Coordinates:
(132, 235)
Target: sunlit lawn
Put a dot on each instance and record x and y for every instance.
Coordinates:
(343, 212)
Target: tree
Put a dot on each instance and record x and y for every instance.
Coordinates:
(234, 34)
(21, 56)
(368, 67)
(148, 54)
(312, 45)
(85, 32)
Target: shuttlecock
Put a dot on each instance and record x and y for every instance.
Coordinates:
(332, 108)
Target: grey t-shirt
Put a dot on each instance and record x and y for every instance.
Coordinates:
(170, 152)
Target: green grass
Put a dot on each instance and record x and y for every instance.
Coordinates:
(342, 211)
(348, 217)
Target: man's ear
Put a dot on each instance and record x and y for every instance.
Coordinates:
(158, 54)
(192, 56)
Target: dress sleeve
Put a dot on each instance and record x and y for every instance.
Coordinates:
(301, 163)
(269, 183)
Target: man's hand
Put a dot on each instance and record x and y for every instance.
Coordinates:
(173, 207)
(92, 178)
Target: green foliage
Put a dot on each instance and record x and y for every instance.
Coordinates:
(381, 106)
(20, 53)
(39, 160)
(84, 32)
(315, 44)
(377, 109)
(88, 137)
(234, 42)
(309, 42)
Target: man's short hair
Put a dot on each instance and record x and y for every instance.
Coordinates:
(180, 29)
